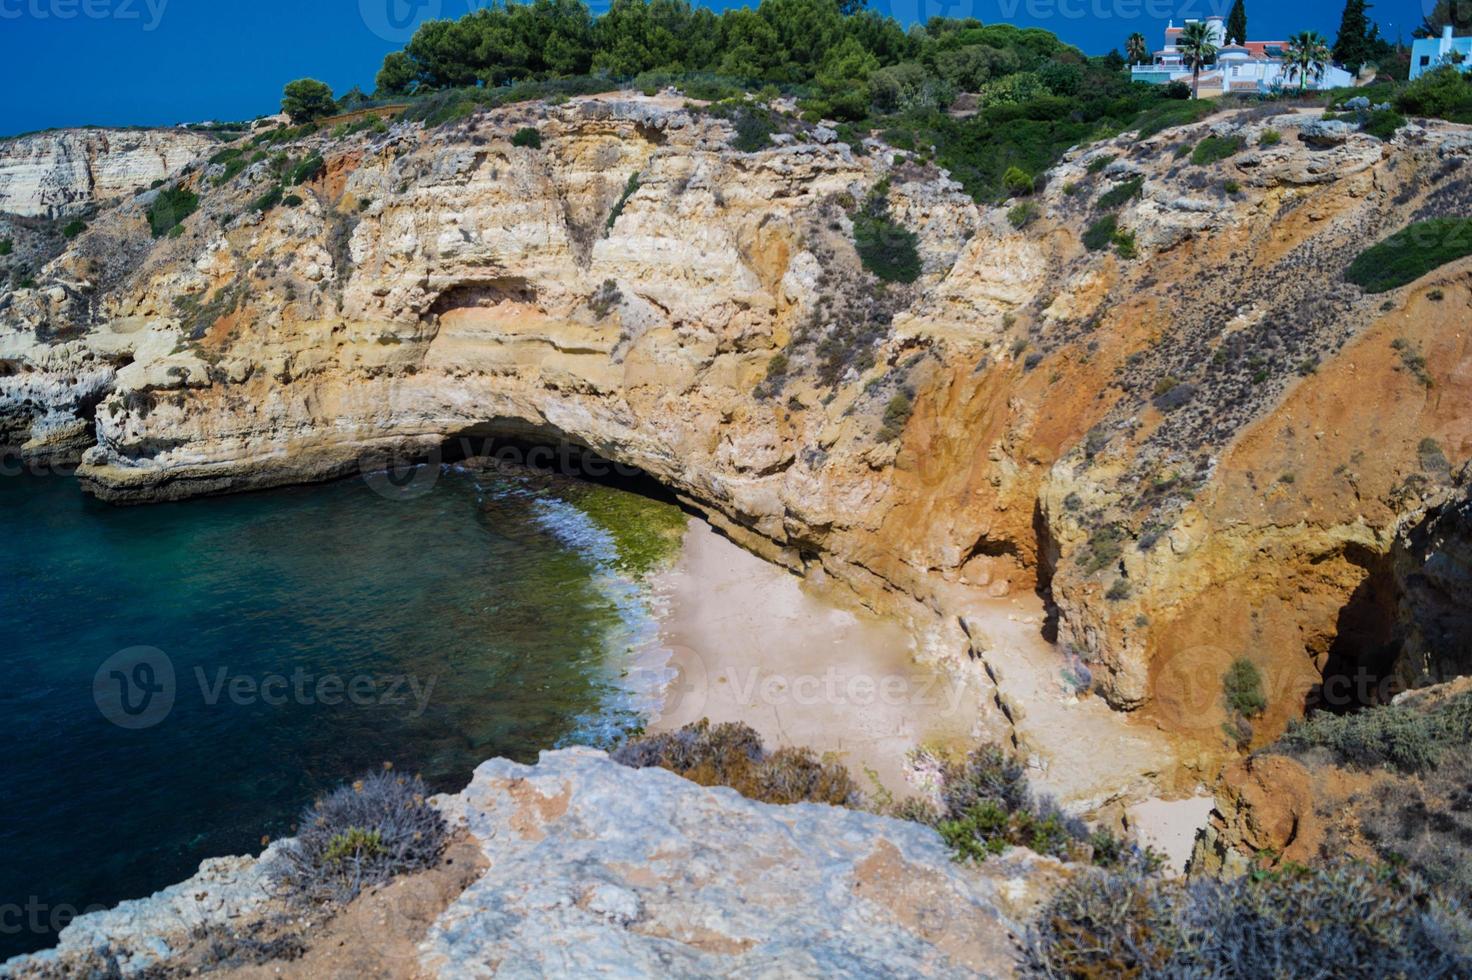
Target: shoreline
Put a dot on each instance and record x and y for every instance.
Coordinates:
(748, 641)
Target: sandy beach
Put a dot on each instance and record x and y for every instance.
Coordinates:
(750, 642)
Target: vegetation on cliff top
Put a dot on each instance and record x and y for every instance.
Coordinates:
(731, 754)
(1033, 95)
(360, 835)
(1342, 920)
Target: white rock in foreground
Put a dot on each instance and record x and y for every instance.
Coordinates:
(596, 869)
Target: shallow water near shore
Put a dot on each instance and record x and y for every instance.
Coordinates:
(311, 633)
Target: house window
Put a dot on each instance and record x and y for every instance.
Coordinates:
(1425, 60)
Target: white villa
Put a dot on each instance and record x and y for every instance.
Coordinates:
(1428, 53)
(1241, 66)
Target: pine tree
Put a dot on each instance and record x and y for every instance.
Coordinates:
(1237, 22)
(1353, 47)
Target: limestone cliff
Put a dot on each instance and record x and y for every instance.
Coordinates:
(1198, 443)
(62, 171)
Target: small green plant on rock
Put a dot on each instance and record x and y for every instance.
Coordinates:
(361, 835)
(1215, 148)
(6, 246)
(896, 416)
(1022, 214)
(74, 228)
(527, 136)
(886, 248)
(170, 208)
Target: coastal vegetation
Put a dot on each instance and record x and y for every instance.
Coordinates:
(1035, 96)
(1341, 919)
(1410, 253)
(731, 754)
(169, 208)
(360, 835)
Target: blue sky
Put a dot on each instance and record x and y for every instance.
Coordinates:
(155, 62)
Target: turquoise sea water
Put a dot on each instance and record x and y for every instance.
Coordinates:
(312, 633)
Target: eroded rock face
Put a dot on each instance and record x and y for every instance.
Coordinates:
(1195, 443)
(1432, 566)
(60, 172)
(680, 880)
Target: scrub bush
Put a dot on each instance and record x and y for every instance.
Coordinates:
(731, 754)
(360, 835)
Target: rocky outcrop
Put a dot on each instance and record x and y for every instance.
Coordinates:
(62, 171)
(1197, 441)
(590, 866)
(688, 881)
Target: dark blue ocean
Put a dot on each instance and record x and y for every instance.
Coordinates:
(311, 633)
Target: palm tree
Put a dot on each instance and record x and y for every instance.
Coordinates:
(1198, 47)
(1306, 57)
(1135, 51)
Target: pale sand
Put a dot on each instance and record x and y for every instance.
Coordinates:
(752, 643)
(1171, 826)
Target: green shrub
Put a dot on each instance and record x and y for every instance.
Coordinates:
(1100, 162)
(292, 201)
(6, 246)
(1100, 234)
(1269, 137)
(896, 416)
(73, 228)
(1023, 214)
(1231, 187)
(1392, 736)
(753, 131)
(1120, 193)
(984, 804)
(527, 136)
(1411, 253)
(307, 99)
(1382, 123)
(630, 186)
(1242, 688)
(170, 208)
(1342, 920)
(1119, 591)
(308, 169)
(1215, 148)
(732, 754)
(1124, 244)
(1441, 94)
(268, 200)
(1017, 181)
(361, 835)
(1103, 549)
(886, 248)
